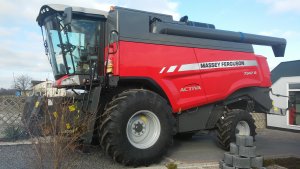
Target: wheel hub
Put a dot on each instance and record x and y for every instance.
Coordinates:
(139, 128)
(143, 129)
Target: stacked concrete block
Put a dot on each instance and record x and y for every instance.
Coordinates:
(242, 155)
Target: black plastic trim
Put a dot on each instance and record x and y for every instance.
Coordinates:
(206, 117)
(134, 26)
(278, 44)
(259, 95)
(113, 81)
(194, 119)
(173, 40)
(50, 11)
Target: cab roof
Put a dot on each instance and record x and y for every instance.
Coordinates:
(50, 9)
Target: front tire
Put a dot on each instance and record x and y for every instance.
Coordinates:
(234, 122)
(137, 127)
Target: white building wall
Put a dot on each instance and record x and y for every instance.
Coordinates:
(281, 87)
(45, 88)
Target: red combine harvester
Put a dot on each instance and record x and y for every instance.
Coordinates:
(149, 77)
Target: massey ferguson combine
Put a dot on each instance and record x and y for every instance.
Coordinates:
(149, 77)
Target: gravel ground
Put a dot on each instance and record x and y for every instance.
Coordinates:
(24, 157)
(200, 152)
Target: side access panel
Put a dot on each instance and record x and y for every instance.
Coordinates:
(224, 72)
(194, 119)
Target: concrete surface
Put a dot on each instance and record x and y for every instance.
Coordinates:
(269, 143)
(25, 157)
(200, 152)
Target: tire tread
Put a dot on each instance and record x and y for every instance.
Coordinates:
(225, 127)
(109, 123)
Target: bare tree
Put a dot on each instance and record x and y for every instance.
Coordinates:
(22, 82)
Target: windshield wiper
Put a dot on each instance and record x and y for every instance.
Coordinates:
(65, 47)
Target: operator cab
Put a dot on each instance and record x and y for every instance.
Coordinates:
(74, 42)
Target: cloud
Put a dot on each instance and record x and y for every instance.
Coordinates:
(23, 60)
(292, 38)
(21, 49)
(281, 6)
(165, 6)
(8, 32)
(22, 52)
(288, 34)
(28, 9)
(23, 57)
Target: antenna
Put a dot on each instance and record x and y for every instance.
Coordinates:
(14, 80)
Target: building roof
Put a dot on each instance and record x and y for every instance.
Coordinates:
(35, 82)
(285, 69)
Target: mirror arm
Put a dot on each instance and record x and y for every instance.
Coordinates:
(278, 95)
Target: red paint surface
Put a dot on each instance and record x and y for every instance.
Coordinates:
(147, 60)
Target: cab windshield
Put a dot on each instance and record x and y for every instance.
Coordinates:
(72, 48)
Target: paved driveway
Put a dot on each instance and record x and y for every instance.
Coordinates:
(199, 152)
(269, 143)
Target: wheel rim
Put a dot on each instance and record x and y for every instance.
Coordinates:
(242, 128)
(143, 129)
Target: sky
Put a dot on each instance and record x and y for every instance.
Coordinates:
(21, 44)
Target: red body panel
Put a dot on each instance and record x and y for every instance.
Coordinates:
(191, 77)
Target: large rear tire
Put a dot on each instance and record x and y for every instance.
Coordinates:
(137, 127)
(234, 122)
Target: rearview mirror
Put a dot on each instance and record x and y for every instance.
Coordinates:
(67, 16)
